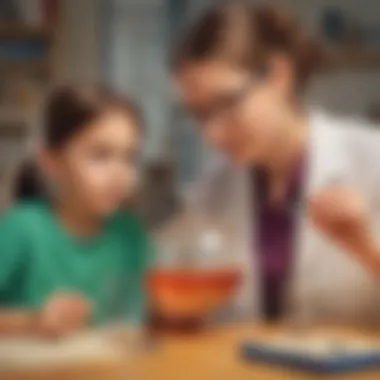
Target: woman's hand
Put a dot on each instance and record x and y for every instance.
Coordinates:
(340, 213)
(64, 314)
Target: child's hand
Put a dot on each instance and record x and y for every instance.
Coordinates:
(64, 314)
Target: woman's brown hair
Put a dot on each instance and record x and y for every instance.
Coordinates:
(248, 35)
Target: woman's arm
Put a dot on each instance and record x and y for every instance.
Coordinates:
(341, 213)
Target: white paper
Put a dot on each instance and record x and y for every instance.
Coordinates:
(84, 347)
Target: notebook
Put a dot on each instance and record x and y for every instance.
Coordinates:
(320, 353)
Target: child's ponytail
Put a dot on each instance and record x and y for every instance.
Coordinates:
(27, 183)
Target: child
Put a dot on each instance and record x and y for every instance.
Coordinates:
(68, 254)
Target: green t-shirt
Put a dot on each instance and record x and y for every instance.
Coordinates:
(39, 257)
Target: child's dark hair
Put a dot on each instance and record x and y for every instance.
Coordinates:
(68, 111)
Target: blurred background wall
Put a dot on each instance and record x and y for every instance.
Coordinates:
(126, 43)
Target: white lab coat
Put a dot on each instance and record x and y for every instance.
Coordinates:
(326, 283)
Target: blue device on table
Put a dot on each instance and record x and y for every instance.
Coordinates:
(334, 362)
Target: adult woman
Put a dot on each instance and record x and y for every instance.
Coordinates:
(242, 72)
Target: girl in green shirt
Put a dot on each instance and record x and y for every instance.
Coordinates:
(68, 255)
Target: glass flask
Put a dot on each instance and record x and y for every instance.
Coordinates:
(193, 277)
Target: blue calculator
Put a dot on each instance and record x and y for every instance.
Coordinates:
(317, 354)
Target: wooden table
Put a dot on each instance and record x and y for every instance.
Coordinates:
(211, 355)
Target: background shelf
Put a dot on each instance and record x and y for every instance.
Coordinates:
(25, 66)
(16, 30)
(358, 59)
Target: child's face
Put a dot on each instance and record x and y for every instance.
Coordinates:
(97, 169)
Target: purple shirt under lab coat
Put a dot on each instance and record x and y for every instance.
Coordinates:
(275, 238)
